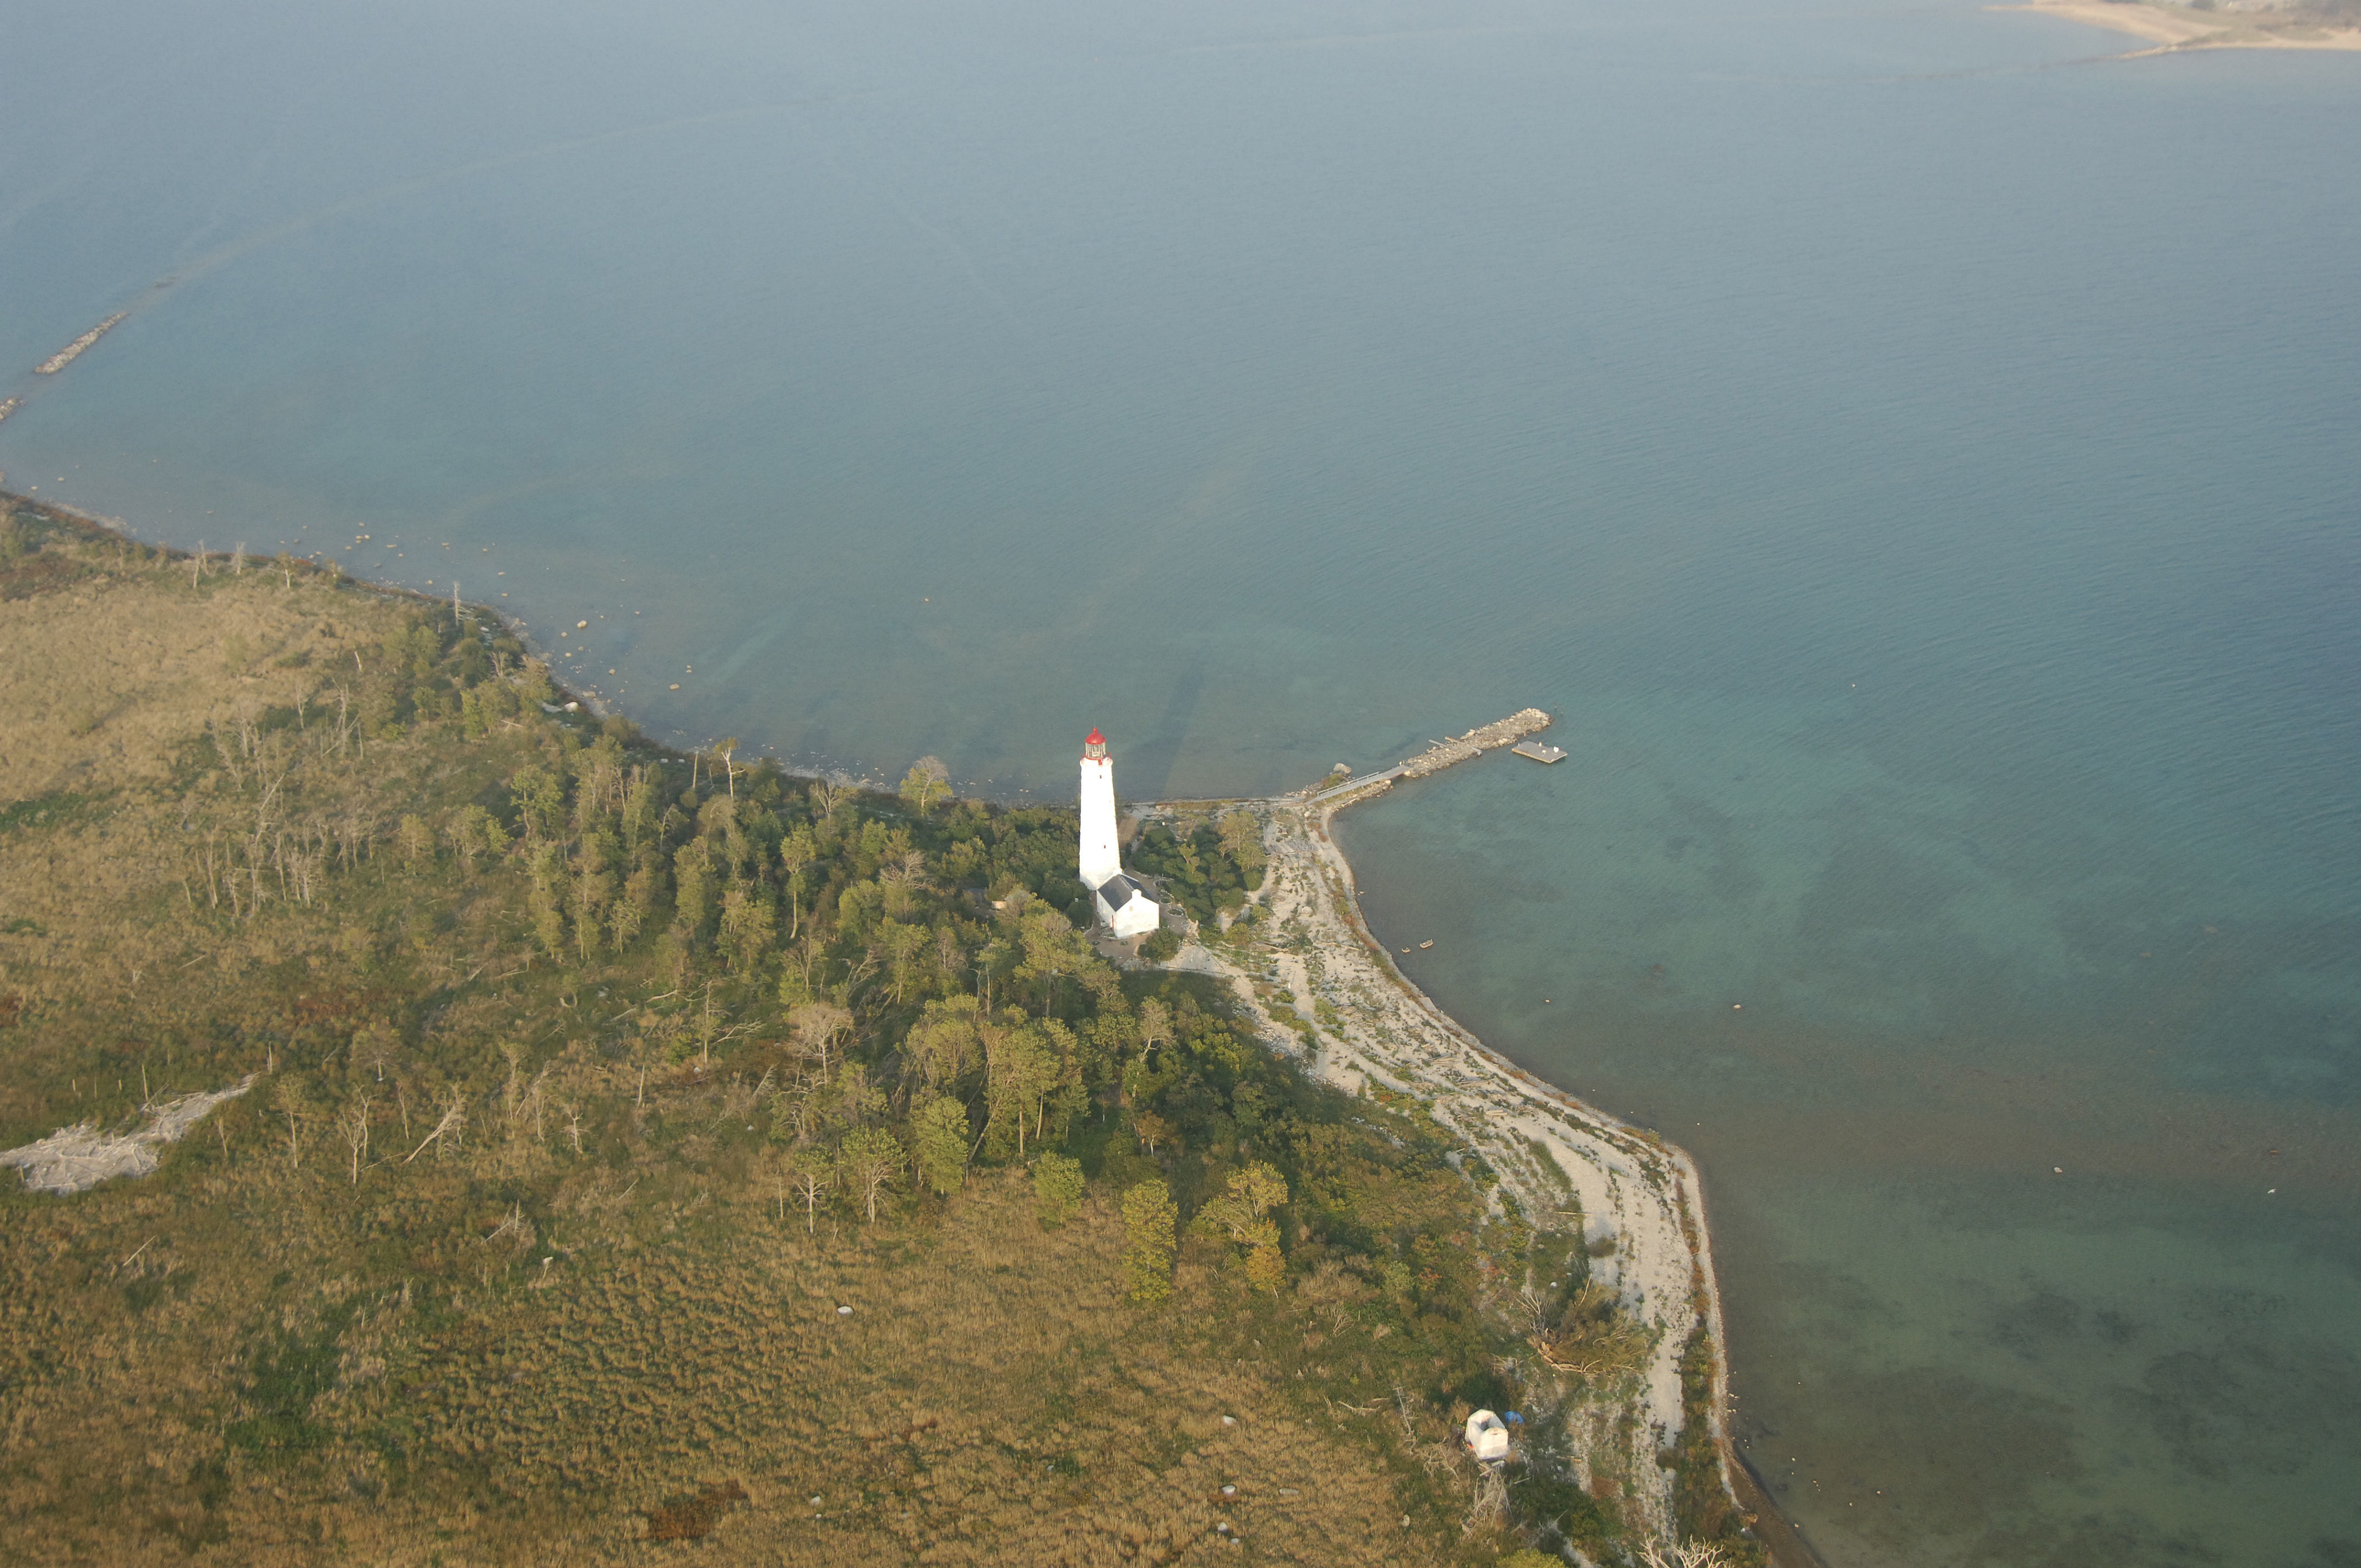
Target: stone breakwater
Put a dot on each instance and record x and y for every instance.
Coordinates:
(1475, 742)
(1355, 1021)
(66, 356)
(1442, 754)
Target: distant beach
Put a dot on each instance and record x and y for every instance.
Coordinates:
(2176, 29)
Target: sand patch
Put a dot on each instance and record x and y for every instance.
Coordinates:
(2175, 28)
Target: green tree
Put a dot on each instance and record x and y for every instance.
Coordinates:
(1150, 1219)
(941, 1047)
(1052, 948)
(749, 928)
(547, 901)
(594, 886)
(938, 1138)
(474, 831)
(417, 838)
(1056, 1189)
(694, 879)
(1242, 1215)
(811, 1173)
(927, 781)
(796, 850)
(867, 1162)
(642, 810)
(540, 801)
(1025, 1070)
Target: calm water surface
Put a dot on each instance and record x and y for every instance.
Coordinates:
(1916, 466)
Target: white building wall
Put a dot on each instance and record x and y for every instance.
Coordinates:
(1099, 860)
(1138, 917)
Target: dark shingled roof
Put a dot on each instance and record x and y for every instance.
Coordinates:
(1119, 890)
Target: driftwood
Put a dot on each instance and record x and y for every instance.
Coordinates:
(77, 1158)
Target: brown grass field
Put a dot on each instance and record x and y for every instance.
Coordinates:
(272, 821)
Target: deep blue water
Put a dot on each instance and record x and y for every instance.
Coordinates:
(1914, 462)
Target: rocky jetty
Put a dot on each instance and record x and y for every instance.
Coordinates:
(71, 351)
(1475, 742)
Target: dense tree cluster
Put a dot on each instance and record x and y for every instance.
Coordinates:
(1207, 866)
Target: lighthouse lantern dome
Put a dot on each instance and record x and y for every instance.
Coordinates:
(1094, 743)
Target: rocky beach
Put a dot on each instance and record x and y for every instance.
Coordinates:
(1314, 980)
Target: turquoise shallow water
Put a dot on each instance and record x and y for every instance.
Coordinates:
(1914, 467)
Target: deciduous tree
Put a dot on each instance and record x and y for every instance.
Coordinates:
(811, 1173)
(939, 1143)
(1150, 1218)
(1056, 1189)
(927, 781)
(749, 928)
(818, 1025)
(867, 1162)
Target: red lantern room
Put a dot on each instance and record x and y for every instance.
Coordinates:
(1094, 743)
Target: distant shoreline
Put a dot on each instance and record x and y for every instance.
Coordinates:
(2175, 30)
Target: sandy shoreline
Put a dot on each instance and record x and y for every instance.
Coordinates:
(1309, 951)
(2174, 31)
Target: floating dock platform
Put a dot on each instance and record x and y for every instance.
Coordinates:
(1538, 752)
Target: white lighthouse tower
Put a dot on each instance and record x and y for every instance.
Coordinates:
(1123, 906)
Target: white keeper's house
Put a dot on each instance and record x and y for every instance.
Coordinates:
(1123, 906)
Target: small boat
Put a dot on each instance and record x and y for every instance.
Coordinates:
(1428, 943)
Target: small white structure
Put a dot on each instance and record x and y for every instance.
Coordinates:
(1488, 1437)
(1122, 905)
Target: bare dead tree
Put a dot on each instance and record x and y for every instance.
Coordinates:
(1693, 1555)
(510, 1095)
(354, 1126)
(454, 1115)
(811, 1177)
(1489, 1509)
(818, 1025)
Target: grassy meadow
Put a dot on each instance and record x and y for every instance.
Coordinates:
(597, 1080)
